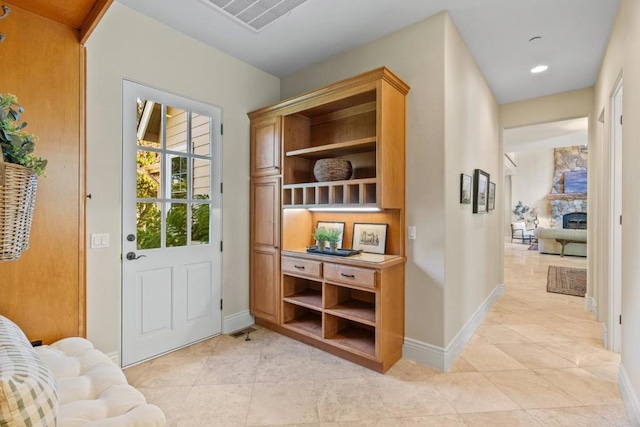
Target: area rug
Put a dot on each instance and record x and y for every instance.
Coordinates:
(533, 247)
(566, 280)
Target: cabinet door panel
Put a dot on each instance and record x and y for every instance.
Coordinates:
(265, 248)
(265, 147)
(264, 284)
(265, 215)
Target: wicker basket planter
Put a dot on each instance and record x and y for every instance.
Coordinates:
(332, 170)
(17, 200)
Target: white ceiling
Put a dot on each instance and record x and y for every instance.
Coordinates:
(574, 35)
(563, 133)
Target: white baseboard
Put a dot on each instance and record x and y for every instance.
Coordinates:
(237, 321)
(605, 335)
(591, 306)
(444, 358)
(629, 396)
(114, 357)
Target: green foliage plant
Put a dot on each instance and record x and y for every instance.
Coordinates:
(333, 235)
(17, 145)
(520, 210)
(321, 235)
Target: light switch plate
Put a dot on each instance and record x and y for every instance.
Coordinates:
(411, 232)
(99, 240)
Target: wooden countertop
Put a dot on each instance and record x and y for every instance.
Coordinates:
(362, 259)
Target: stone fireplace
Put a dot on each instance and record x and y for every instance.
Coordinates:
(575, 221)
(565, 200)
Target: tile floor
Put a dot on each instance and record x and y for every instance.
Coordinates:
(536, 360)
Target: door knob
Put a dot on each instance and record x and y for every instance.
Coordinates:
(131, 256)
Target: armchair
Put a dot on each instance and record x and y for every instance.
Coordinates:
(519, 232)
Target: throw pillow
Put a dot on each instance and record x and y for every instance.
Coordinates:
(28, 394)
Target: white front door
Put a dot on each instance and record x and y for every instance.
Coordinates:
(171, 222)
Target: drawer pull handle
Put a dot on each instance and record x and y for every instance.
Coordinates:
(350, 276)
(301, 267)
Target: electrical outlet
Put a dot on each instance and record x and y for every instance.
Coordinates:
(411, 232)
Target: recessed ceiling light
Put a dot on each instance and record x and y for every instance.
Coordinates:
(539, 68)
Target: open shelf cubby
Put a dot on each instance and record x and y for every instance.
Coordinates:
(352, 304)
(302, 292)
(354, 336)
(355, 192)
(302, 319)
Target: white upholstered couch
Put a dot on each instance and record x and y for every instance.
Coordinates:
(68, 384)
(551, 240)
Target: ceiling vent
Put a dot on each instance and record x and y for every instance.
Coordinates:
(254, 14)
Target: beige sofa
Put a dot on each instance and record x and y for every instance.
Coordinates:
(552, 240)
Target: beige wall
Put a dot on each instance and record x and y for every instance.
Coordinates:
(128, 45)
(621, 57)
(546, 109)
(534, 181)
(473, 243)
(417, 55)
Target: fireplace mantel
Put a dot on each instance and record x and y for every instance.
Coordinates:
(567, 196)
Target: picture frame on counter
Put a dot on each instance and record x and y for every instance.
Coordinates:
(369, 237)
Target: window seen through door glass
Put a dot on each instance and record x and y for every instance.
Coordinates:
(179, 177)
(170, 174)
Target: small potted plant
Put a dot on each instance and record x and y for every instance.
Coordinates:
(333, 237)
(321, 236)
(19, 169)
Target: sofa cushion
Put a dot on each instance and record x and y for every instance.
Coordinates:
(94, 390)
(28, 394)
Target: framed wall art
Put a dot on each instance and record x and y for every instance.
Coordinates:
(480, 191)
(370, 238)
(491, 204)
(329, 226)
(465, 189)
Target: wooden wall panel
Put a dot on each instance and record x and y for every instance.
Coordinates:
(44, 290)
(71, 13)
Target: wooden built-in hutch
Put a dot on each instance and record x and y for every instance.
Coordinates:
(350, 306)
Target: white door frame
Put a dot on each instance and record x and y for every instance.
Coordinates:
(615, 209)
(130, 355)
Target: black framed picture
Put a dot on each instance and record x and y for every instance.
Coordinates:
(491, 204)
(370, 238)
(480, 191)
(465, 189)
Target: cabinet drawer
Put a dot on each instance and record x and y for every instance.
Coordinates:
(302, 266)
(350, 275)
